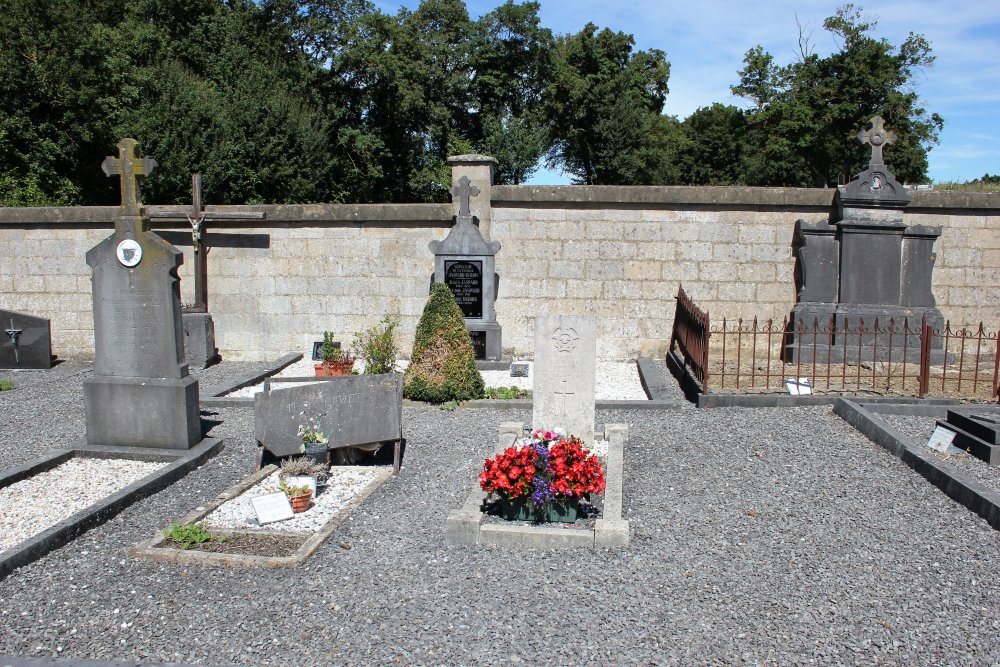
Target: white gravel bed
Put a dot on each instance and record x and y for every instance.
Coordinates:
(342, 486)
(616, 381)
(40, 502)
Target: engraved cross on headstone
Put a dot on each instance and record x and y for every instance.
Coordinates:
(877, 137)
(14, 333)
(128, 166)
(564, 393)
(463, 191)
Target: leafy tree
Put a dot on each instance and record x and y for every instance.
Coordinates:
(715, 147)
(804, 116)
(602, 101)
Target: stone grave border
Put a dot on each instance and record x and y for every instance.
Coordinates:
(216, 398)
(959, 487)
(154, 548)
(181, 462)
(466, 525)
(653, 382)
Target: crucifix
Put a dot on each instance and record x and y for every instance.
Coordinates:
(196, 218)
(128, 166)
(14, 333)
(463, 191)
(877, 137)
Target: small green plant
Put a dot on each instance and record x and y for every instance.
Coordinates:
(186, 536)
(330, 351)
(505, 393)
(293, 491)
(6, 385)
(378, 347)
(303, 466)
(449, 406)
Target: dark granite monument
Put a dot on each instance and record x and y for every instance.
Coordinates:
(864, 265)
(141, 394)
(464, 261)
(199, 328)
(977, 430)
(26, 341)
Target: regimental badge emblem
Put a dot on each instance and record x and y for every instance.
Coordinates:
(129, 253)
(564, 339)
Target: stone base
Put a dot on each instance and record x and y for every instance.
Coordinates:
(142, 412)
(827, 343)
(199, 340)
(486, 338)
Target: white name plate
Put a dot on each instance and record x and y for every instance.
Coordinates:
(272, 507)
(941, 440)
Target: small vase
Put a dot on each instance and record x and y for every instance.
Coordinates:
(563, 510)
(300, 503)
(317, 452)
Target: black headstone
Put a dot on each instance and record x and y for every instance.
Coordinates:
(25, 341)
(465, 279)
(478, 344)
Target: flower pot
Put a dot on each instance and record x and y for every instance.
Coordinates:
(562, 510)
(300, 503)
(334, 368)
(317, 452)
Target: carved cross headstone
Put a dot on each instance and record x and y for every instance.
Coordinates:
(128, 166)
(877, 137)
(464, 190)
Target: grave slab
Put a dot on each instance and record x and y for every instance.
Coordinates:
(565, 369)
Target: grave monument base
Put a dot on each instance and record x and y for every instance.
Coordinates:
(142, 412)
(199, 339)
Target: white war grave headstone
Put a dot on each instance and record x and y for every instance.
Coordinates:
(565, 372)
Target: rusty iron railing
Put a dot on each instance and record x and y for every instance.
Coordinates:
(690, 333)
(883, 358)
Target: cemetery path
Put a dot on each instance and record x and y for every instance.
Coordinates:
(758, 535)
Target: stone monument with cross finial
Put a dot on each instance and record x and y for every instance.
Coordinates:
(199, 327)
(565, 375)
(465, 261)
(140, 394)
(866, 264)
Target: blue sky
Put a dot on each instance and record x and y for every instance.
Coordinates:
(705, 42)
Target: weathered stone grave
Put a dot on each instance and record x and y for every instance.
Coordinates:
(27, 341)
(350, 410)
(864, 266)
(465, 262)
(565, 370)
(199, 328)
(141, 394)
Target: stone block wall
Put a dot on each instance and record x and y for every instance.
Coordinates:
(615, 253)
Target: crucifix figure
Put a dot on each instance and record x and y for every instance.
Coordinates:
(463, 191)
(14, 333)
(196, 218)
(877, 137)
(128, 166)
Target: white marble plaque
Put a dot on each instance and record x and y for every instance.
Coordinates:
(272, 507)
(565, 372)
(941, 439)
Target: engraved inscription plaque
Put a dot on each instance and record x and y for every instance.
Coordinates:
(478, 344)
(465, 279)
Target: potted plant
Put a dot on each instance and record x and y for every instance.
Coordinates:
(543, 478)
(298, 496)
(303, 471)
(314, 443)
(335, 360)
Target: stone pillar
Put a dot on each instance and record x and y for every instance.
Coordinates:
(479, 170)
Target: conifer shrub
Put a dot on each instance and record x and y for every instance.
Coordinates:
(443, 365)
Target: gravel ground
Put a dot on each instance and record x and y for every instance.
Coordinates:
(919, 429)
(775, 536)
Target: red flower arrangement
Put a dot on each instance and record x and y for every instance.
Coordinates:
(548, 467)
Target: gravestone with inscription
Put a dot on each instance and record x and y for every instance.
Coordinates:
(350, 410)
(141, 394)
(864, 265)
(464, 261)
(26, 341)
(565, 370)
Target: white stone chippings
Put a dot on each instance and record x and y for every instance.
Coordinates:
(616, 380)
(342, 486)
(33, 505)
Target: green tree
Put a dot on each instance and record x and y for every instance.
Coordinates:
(804, 115)
(602, 101)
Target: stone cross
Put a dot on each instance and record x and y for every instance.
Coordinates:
(564, 393)
(14, 333)
(196, 218)
(463, 191)
(876, 137)
(128, 166)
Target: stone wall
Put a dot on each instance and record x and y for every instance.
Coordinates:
(617, 253)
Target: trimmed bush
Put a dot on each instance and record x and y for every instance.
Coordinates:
(443, 365)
